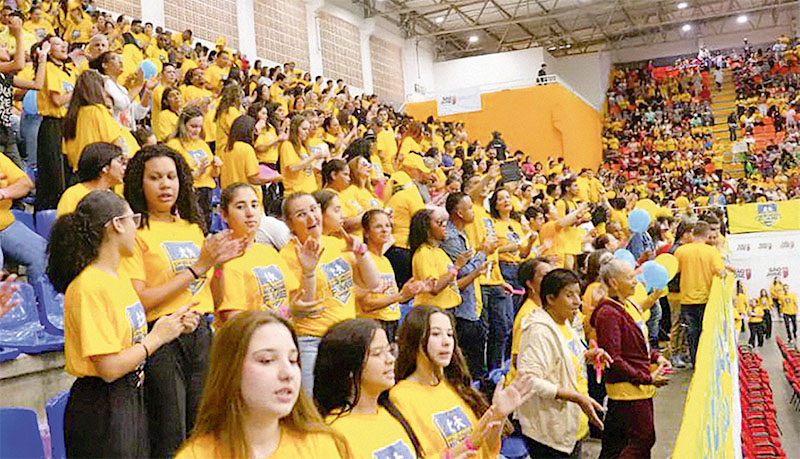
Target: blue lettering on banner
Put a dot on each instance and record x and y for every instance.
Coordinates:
(271, 286)
(453, 425)
(397, 450)
(137, 321)
(181, 255)
(340, 279)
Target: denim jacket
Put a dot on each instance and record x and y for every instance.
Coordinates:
(454, 244)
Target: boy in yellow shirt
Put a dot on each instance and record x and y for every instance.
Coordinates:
(789, 311)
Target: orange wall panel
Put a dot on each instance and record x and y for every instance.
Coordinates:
(541, 121)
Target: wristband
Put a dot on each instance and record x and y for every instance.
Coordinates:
(309, 274)
(146, 351)
(453, 270)
(217, 273)
(360, 249)
(470, 446)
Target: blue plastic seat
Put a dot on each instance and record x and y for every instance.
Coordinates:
(514, 448)
(24, 217)
(44, 222)
(19, 434)
(8, 353)
(216, 196)
(217, 224)
(55, 408)
(20, 327)
(50, 307)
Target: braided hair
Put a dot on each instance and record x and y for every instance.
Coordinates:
(76, 237)
(186, 206)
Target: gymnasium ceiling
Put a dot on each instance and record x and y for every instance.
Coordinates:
(461, 28)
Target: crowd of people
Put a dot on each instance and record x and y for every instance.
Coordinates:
(372, 272)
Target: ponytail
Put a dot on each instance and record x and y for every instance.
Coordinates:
(76, 237)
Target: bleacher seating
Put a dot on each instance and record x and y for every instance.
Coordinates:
(760, 431)
(21, 328)
(55, 408)
(19, 434)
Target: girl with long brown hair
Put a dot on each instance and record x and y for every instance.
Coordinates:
(252, 405)
(434, 392)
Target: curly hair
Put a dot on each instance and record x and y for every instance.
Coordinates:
(76, 237)
(186, 206)
(420, 231)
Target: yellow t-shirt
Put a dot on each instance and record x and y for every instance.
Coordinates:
(789, 304)
(430, 262)
(391, 312)
(162, 251)
(12, 173)
(40, 29)
(192, 92)
(103, 315)
(56, 81)
(516, 335)
(756, 313)
(165, 125)
(155, 101)
(508, 232)
(550, 231)
(195, 152)
(481, 229)
(386, 143)
(215, 75)
(95, 124)
(270, 155)
(409, 145)
(436, 414)
(237, 165)
(351, 207)
(698, 263)
(404, 204)
(576, 349)
(70, 198)
(79, 33)
(300, 180)
(259, 279)
(334, 285)
(377, 435)
(292, 445)
(223, 125)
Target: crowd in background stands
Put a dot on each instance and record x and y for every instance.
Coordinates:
(339, 212)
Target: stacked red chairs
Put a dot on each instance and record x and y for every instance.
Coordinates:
(760, 431)
(791, 370)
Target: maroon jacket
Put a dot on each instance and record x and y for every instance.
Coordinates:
(619, 335)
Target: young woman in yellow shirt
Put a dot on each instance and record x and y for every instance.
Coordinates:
(253, 405)
(171, 266)
(434, 394)
(102, 167)
(296, 162)
(228, 110)
(239, 162)
(188, 141)
(166, 122)
(336, 177)
(107, 343)
(430, 263)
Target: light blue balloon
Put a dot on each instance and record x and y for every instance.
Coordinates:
(656, 276)
(148, 69)
(626, 256)
(638, 220)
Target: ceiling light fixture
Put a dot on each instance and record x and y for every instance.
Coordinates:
(686, 27)
(473, 38)
(741, 19)
(552, 48)
(683, 5)
(439, 19)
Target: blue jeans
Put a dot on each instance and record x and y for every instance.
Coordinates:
(653, 324)
(24, 246)
(309, 347)
(29, 131)
(498, 312)
(692, 316)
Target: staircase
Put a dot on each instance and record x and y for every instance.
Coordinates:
(723, 103)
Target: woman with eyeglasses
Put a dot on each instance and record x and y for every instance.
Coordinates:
(342, 264)
(101, 167)
(171, 266)
(107, 342)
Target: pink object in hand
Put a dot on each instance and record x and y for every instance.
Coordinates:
(266, 172)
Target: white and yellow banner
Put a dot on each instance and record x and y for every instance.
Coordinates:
(764, 216)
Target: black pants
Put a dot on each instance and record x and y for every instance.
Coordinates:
(173, 386)
(597, 390)
(767, 324)
(538, 450)
(53, 168)
(390, 327)
(106, 419)
(400, 259)
(472, 341)
(757, 333)
(790, 320)
(629, 429)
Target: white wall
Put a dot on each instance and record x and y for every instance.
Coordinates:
(488, 71)
(585, 74)
(418, 70)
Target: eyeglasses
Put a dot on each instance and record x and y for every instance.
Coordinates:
(301, 214)
(382, 351)
(137, 219)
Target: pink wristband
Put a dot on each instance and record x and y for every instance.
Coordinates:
(470, 446)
